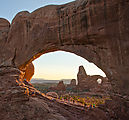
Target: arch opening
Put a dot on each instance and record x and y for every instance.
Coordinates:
(53, 77)
(52, 66)
(99, 81)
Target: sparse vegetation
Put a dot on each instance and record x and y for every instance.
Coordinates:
(76, 97)
(44, 88)
(85, 101)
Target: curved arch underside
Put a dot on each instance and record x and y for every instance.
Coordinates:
(95, 30)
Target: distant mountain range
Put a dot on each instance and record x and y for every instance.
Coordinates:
(41, 81)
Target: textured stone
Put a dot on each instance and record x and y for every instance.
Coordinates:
(60, 86)
(29, 72)
(81, 76)
(87, 82)
(6, 54)
(95, 30)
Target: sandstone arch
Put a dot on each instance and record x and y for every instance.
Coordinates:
(95, 30)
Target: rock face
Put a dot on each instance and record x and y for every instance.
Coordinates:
(89, 29)
(6, 58)
(87, 82)
(97, 30)
(81, 77)
(29, 72)
(61, 86)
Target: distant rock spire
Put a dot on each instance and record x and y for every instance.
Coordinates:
(81, 76)
(82, 70)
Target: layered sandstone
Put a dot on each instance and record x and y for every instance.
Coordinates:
(81, 77)
(87, 82)
(29, 72)
(96, 30)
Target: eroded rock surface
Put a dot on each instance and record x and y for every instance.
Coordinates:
(87, 82)
(97, 30)
(61, 86)
(29, 72)
(81, 77)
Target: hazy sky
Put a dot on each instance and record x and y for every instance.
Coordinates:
(56, 65)
(62, 65)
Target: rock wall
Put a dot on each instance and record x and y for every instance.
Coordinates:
(29, 72)
(89, 29)
(96, 30)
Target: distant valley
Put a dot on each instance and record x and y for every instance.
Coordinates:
(41, 81)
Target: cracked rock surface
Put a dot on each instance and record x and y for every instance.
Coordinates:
(97, 30)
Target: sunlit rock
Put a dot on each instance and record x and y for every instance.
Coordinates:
(29, 72)
(52, 94)
(97, 30)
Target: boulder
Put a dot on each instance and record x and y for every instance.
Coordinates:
(52, 94)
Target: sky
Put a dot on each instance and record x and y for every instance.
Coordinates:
(62, 65)
(51, 66)
(9, 8)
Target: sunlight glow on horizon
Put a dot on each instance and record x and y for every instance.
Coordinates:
(62, 65)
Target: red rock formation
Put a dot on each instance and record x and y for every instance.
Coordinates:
(81, 77)
(101, 29)
(29, 72)
(87, 82)
(97, 30)
(61, 86)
